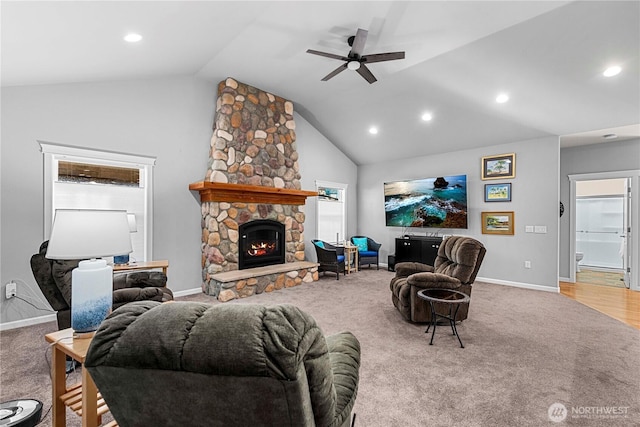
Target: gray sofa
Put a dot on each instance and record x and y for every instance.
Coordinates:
(194, 364)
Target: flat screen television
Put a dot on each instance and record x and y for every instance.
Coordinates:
(439, 202)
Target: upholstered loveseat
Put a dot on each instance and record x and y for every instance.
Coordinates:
(195, 364)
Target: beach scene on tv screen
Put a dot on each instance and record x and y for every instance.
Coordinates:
(431, 202)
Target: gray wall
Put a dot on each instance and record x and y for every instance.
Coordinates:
(321, 160)
(534, 201)
(170, 118)
(609, 157)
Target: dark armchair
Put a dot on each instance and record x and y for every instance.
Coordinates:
(368, 250)
(456, 266)
(54, 279)
(232, 365)
(330, 258)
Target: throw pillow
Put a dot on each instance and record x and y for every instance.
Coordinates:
(361, 243)
(319, 244)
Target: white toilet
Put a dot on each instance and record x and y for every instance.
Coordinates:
(579, 256)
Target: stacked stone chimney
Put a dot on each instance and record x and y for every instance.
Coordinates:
(253, 144)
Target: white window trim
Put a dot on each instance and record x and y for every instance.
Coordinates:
(53, 151)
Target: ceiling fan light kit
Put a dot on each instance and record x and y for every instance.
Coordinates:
(355, 60)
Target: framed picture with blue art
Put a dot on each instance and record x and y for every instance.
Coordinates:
(497, 192)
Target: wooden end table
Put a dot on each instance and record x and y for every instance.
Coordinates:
(83, 398)
(350, 254)
(143, 265)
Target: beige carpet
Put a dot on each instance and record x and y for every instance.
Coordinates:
(524, 351)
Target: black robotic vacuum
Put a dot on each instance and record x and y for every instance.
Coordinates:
(20, 413)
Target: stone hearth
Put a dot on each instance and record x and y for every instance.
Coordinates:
(253, 173)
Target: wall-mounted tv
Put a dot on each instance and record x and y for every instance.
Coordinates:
(428, 203)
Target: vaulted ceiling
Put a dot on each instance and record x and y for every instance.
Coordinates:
(548, 56)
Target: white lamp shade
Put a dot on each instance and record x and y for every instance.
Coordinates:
(85, 233)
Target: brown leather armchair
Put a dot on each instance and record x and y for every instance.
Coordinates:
(456, 266)
(54, 279)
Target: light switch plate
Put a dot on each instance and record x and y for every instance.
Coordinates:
(528, 228)
(541, 229)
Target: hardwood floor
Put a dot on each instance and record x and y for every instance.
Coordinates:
(620, 303)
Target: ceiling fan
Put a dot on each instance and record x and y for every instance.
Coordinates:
(355, 60)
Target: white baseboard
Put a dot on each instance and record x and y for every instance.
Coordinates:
(27, 322)
(565, 279)
(184, 293)
(555, 289)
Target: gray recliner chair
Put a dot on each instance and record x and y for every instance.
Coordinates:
(54, 279)
(194, 364)
(456, 266)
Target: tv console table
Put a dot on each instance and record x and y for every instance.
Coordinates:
(422, 249)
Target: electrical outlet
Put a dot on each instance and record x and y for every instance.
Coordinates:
(11, 290)
(527, 264)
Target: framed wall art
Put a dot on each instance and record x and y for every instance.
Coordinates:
(498, 167)
(497, 192)
(498, 223)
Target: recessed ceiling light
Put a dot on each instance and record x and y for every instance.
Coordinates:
(610, 136)
(132, 38)
(373, 130)
(427, 117)
(502, 98)
(612, 71)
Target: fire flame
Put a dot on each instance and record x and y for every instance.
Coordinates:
(261, 248)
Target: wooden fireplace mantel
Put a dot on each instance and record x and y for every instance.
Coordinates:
(225, 192)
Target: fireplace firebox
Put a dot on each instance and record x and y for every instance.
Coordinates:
(262, 242)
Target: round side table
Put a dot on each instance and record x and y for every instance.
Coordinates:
(452, 298)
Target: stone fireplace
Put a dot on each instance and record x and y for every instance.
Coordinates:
(252, 180)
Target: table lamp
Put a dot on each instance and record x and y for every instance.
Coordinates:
(89, 234)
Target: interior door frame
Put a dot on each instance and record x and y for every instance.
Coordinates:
(633, 248)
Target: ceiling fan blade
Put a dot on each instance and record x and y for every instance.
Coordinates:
(366, 73)
(335, 72)
(358, 43)
(328, 55)
(379, 57)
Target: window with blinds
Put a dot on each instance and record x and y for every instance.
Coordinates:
(77, 178)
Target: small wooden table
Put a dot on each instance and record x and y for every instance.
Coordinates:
(350, 254)
(143, 265)
(83, 398)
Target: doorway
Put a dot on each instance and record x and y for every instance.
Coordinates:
(600, 237)
(604, 211)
